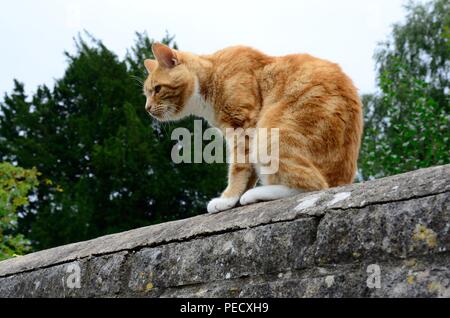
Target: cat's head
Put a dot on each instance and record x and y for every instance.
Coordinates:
(169, 85)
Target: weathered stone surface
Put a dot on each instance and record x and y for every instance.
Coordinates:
(265, 249)
(322, 244)
(398, 229)
(410, 278)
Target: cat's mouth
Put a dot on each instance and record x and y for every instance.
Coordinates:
(162, 113)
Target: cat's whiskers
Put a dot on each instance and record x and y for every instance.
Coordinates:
(138, 80)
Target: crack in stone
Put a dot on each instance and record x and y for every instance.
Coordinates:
(162, 243)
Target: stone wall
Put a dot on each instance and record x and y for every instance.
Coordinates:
(384, 238)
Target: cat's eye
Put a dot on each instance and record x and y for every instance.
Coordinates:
(157, 89)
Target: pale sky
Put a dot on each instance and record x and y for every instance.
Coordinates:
(34, 34)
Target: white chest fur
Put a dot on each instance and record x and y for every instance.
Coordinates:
(199, 107)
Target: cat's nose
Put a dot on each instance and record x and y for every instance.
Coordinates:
(148, 107)
(148, 104)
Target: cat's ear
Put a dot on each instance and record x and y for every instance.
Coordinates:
(150, 65)
(165, 55)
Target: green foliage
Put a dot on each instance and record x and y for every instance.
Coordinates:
(109, 161)
(15, 185)
(407, 123)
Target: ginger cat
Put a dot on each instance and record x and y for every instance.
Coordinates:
(311, 101)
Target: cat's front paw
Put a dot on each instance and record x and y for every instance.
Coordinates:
(222, 204)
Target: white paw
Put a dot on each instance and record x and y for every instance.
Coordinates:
(267, 193)
(248, 197)
(221, 204)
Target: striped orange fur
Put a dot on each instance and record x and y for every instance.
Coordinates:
(313, 103)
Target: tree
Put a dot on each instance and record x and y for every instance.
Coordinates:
(109, 163)
(407, 122)
(15, 185)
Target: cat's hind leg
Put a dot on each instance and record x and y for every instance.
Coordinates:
(294, 176)
(268, 193)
